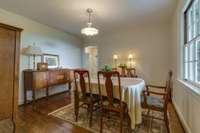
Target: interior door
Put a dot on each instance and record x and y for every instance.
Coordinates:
(7, 59)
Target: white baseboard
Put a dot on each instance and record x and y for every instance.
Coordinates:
(183, 122)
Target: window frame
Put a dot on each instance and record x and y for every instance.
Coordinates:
(185, 21)
(188, 41)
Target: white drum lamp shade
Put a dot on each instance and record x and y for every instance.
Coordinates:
(33, 50)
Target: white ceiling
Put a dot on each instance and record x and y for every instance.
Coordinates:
(70, 15)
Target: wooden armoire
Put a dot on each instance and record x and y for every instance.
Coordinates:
(9, 70)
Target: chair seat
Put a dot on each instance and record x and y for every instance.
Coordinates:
(116, 103)
(154, 101)
(93, 98)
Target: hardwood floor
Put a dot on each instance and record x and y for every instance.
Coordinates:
(31, 120)
(38, 121)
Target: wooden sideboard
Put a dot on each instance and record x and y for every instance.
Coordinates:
(43, 79)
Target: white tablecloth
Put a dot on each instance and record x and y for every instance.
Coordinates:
(131, 95)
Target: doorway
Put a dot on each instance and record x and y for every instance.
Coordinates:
(91, 60)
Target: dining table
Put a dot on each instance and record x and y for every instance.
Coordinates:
(131, 90)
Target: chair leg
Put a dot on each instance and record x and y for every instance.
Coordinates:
(108, 115)
(150, 124)
(125, 112)
(88, 109)
(166, 121)
(76, 110)
(129, 124)
(148, 121)
(47, 93)
(121, 121)
(126, 115)
(76, 106)
(76, 113)
(101, 122)
(91, 113)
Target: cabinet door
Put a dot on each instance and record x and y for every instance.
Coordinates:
(7, 62)
(61, 77)
(40, 80)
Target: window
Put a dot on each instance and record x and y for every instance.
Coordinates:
(192, 43)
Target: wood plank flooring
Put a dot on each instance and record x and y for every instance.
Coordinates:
(36, 120)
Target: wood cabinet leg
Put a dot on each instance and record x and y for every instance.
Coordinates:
(70, 86)
(47, 93)
(25, 97)
(33, 97)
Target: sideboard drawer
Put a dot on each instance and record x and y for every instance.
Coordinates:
(60, 77)
(57, 77)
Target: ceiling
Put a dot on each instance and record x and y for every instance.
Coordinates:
(70, 15)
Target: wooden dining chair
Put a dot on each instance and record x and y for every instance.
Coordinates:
(111, 104)
(151, 101)
(131, 72)
(84, 95)
(114, 69)
(123, 72)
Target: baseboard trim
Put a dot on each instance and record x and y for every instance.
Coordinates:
(181, 118)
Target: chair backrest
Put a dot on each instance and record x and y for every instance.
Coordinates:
(123, 72)
(169, 81)
(166, 97)
(114, 69)
(131, 72)
(168, 88)
(109, 85)
(81, 75)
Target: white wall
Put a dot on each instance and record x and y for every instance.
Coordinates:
(52, 41)
(148, 43)
(185, 99)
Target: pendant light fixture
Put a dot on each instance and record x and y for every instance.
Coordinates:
(89, 30)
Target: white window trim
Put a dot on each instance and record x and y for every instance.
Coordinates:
(192, 83)
(189, 85)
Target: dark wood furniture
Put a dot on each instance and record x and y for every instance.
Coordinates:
(123, 72)
(131, 72)
(83, 96)
(43, 79)
(111, 104)
(9, 70)
(127, 72)
(151, 102)
(42, 66)
(114, 69)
